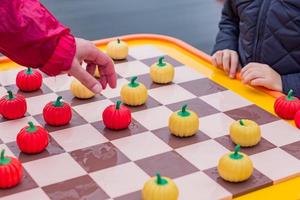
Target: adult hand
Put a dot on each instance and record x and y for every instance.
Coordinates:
(86, 51)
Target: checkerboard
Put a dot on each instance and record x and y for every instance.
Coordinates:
(84, 160)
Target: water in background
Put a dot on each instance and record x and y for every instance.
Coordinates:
(194, 21)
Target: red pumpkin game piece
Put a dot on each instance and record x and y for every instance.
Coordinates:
(297, 119)
(116, 117)
(57, 113)
(287, 106)
(13, 106)
(11, 171)
(32, 139)
(29, 80)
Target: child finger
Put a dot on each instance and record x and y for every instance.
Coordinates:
(103, 82)
(219, 58)
(234, 64)
(249, 77)
(226, 61)
(214, 61)
(259, 82)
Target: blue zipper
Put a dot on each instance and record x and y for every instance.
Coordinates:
(260, 22)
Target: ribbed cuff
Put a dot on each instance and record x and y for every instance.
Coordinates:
(61, 59)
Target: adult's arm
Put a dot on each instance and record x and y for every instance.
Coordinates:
(31, 36)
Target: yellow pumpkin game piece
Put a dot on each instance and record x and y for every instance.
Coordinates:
(235, 166)
(160, 188)
(245, 133)
(184, 123)
(97, 73)
(80, 91)
(117, 50)
(134, 93)
(162, 72)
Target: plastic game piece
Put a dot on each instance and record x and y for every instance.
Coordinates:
(160, 188)
(162, 72)
(97, 73)
(29, 80)
(11, 171)
(32, 139)
(235, 166)
(134, 93)
(184, 123)
(80, 91)
(13, 106)
(287, 106)
(116, 116)
(117, 49)
(245, 132)
(57, 113)
(297, 119)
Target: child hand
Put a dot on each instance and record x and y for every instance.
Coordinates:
(86, 51)
(227, 60)
(257, 74)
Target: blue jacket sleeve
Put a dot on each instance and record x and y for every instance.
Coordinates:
(291, 81)
(227, 37)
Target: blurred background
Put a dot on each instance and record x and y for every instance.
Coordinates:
(194, 21)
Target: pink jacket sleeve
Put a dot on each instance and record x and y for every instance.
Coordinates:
(31, 36)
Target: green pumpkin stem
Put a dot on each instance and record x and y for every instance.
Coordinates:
(3, 159)
(58, 102)
(31, 127)
(29, 71)
(119, 41)
(118, 105)
(10, 95)
(133, 83)
(160, 180)
(184, 112)
(290, 95)
(236, 154)
(161, 62)
(242, 122)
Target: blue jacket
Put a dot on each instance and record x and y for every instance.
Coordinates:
(264, 31)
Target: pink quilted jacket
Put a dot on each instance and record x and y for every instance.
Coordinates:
(31, 36)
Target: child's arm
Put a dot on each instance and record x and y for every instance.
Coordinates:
(225, 54)
(31, 36)
(291, 81)
(227, 37)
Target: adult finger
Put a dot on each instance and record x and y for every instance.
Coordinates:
(234, 64)
(91, 68)
(85, 78)
(226, 61)
(105, 63)
(103, 81)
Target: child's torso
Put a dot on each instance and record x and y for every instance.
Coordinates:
(269, 33)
